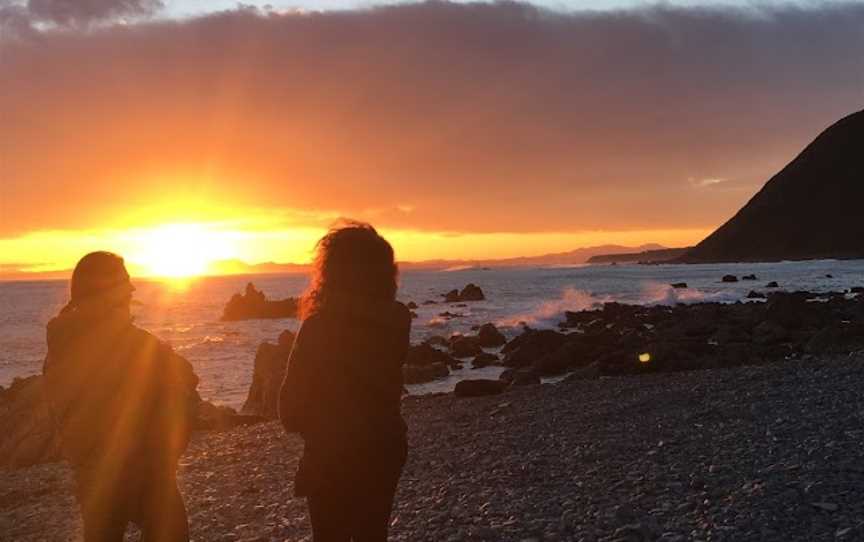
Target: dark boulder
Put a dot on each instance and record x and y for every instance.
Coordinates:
(750, 277)
(531, 346)
(857, 290)
(254, 304)
(267, 376)
(471, 292)
(465, 347)
(423, 355)
(484, 359)
(572, 353)
(729, 278)
(753, 294)
(679, 285)
(490, 337)
(479, 387)
(414, 374)
(520, 377)
(772, 284)
(792, 310)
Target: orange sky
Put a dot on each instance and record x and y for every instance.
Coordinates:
(459, 130)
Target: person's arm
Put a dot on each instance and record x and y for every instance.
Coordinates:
(177, 401)
(293, 395)
(403, 342)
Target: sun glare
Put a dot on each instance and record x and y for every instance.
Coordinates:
(179, 250)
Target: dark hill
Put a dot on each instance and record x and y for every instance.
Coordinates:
(811, 209)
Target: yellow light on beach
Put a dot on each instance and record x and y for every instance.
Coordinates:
(644, 358)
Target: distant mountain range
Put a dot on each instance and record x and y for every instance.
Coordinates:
(813, 208)
(646, 256)
(572, 257)
(239, 267)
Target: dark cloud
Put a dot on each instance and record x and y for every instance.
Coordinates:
(493, 117)
(19, 17)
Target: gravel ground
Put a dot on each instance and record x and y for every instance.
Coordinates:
(772, 452)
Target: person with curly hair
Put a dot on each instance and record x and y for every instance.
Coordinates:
(343, 386)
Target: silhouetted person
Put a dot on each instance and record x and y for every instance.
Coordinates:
(123, 404)
(343, 387)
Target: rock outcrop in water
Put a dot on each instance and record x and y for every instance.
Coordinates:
(471, 292)
(632, 339)
(810, 209)
(270, 363)
(253, 304)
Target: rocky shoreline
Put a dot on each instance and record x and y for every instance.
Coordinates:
(770, 452)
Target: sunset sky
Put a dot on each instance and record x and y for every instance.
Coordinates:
(178, 133)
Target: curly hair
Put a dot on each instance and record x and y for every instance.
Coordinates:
(353, 264)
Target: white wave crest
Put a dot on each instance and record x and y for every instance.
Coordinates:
(550, 312)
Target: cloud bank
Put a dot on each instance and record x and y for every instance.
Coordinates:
(462, 117)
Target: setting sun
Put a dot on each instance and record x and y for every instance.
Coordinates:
(179, 250)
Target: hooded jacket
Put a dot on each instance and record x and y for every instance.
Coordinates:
(119, 397)
(342, 392)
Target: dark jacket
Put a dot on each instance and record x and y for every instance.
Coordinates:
(122, 400)
(342, 393)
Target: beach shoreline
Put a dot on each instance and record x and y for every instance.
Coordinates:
(771, 452)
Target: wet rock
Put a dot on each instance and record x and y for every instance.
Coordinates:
(479, 387)
(465, 347)
(531, 346)
(253, 304)
(520, 377)
(490, 337)
(729, 278)
(484, 359)
(753, 294)
(267, 376)
(750, 277)
(772, 284)
(679, 285)
(471, 292)
(413, 374)
(423, 355)
(570, 354)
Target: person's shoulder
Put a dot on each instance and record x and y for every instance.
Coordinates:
(145, 339)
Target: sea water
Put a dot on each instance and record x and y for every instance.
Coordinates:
(187, 314)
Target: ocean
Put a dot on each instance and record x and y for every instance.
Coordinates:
(187, 316)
